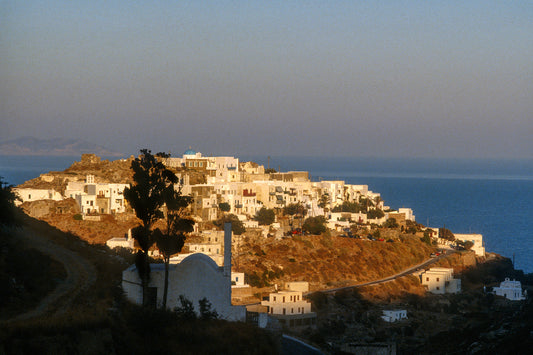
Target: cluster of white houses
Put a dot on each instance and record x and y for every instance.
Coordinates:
(244, 187)
(204, 271)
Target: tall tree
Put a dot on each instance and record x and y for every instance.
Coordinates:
(171, 240)
(146, 196)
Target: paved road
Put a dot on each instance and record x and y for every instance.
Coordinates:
(81, 274)
(408, 271)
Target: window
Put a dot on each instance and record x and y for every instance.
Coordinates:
(201, 164)
(190, 163)
(274, 298)
(284, 311)
(427, 279)
(437, 279)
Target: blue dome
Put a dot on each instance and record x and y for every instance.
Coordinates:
(189, 152)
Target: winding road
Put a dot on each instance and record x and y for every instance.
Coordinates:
(407, 271)
(81, 274)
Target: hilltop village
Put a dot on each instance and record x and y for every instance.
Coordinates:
(288, 238)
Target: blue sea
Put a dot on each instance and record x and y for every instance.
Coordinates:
(489, 197)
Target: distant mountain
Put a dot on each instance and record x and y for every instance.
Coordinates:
(56, 146)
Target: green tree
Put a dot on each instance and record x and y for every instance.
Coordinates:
(7, 204)
(446, 234)
(237, 227)
(375, 213)
(468, 245)
(265, 216)
(315, 225)
(171, 240)
(324, 201)
(224, 206)
(391, 223)
(347, 206)
(151, 181)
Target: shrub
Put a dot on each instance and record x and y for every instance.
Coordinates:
(78, 217)
(186, 310)
(205, 310)
(315, 225)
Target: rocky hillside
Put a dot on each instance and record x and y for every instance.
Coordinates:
(328, 261)
(105, 171)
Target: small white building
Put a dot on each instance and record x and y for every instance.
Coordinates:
(409, 216)
(127, 242)
(290, 309)
(512, 290)
(477, 239)
(30, 195)
(196, 277)
(394, 315)
(439, 280)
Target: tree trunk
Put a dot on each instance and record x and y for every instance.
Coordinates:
(165, 290)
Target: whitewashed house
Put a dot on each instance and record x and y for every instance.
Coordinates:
(440, 280)
(289, 308)
(409, 216)
(196, 277)
(512, 290)
(30, 195)
(127, 242)
(477, 239)
(394, 315)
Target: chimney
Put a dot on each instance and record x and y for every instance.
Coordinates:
(227, 250)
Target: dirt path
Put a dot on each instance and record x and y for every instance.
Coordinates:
(81, 274)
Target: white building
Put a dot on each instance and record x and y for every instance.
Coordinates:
(127, 242)
(289, 308)
(30, 195)
(394, 315)
(409, 216)
(196, 277)
(512, 290)
(477, 239)
(440, 280)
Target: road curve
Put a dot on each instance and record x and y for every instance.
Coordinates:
(407, 271)
(81, 274)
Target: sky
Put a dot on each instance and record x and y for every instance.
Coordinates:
(432, 79)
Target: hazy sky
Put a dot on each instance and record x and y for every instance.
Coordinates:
(344, 78)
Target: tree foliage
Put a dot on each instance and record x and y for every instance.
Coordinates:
(375, 213)
(446, 234)
(237, 227)
(391, 223)
(468, 245)
(295, 209)
(315, 225)
(224, 206)
(7, 204)
(154, 186)
(347, 206)
(265, 216)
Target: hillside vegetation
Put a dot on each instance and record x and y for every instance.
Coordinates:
(327, 261)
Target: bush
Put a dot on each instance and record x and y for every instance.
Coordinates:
(205, 310)
(78, 217)
(375, 213)
(265, 216)
(315, 225)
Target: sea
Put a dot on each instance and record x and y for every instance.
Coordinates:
(483, 196)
